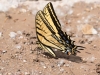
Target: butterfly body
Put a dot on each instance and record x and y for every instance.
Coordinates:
(49, 33)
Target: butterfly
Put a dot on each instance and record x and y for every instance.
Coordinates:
(50, 34)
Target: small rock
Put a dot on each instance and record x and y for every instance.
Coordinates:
(9, 73)
(18, 46)
(12, 34)
(43, 65)
(1, 34)
(91, 8)
(62, 70)
(40, 72)
(83, 18)
(78, 21)
(86, 21)
(88, 29)
(61, 63)
(68, 65)
(94, 46)
(4, 51)
(88, 10)
(69, 21)
(23, 10)
(90, 59)
(70, 12)
(27, 73)
(20, 37)
(24, 61)
(78, 14)
(19, 32)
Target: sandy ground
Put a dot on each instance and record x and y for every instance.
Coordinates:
(18, 54)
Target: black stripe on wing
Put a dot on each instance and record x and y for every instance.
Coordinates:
(57, 23)
(53, 16)
(40, 14)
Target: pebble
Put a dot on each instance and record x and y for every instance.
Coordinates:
(78, 14)
(91, 8)
(20, 37)
(9, 73)
(86, 21)
(88, 29)
(78, 21)
(69, 21)
(62, 70)
(18, 46)
(24, 60)
(83, 18)
(23, 10)
(61, 63)
(67, 65)
(43, 65)
(19, 32)
(88, 10)
(70, 12)
(12, 34)
(90, 59)
(27, 73)
(1, 34)
(4, 51)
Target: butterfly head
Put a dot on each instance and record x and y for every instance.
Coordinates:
(71, 50)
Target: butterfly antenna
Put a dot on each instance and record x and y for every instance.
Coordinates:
(81, 47)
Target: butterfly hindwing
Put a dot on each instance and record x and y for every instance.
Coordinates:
(48, 49)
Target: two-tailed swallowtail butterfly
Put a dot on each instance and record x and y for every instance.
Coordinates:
(49, 33)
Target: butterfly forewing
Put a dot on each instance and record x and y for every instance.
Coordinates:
(51, 17)
(54, 23)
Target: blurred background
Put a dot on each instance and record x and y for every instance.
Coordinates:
(18, 55)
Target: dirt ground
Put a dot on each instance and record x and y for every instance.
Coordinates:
(18, 53)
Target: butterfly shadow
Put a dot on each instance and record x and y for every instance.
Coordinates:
(72, 58)
(59, 54)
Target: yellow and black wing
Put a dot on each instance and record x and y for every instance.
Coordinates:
(54, 24)
(51, 17)
(46, 30)
(44, 34)
(49, 33)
